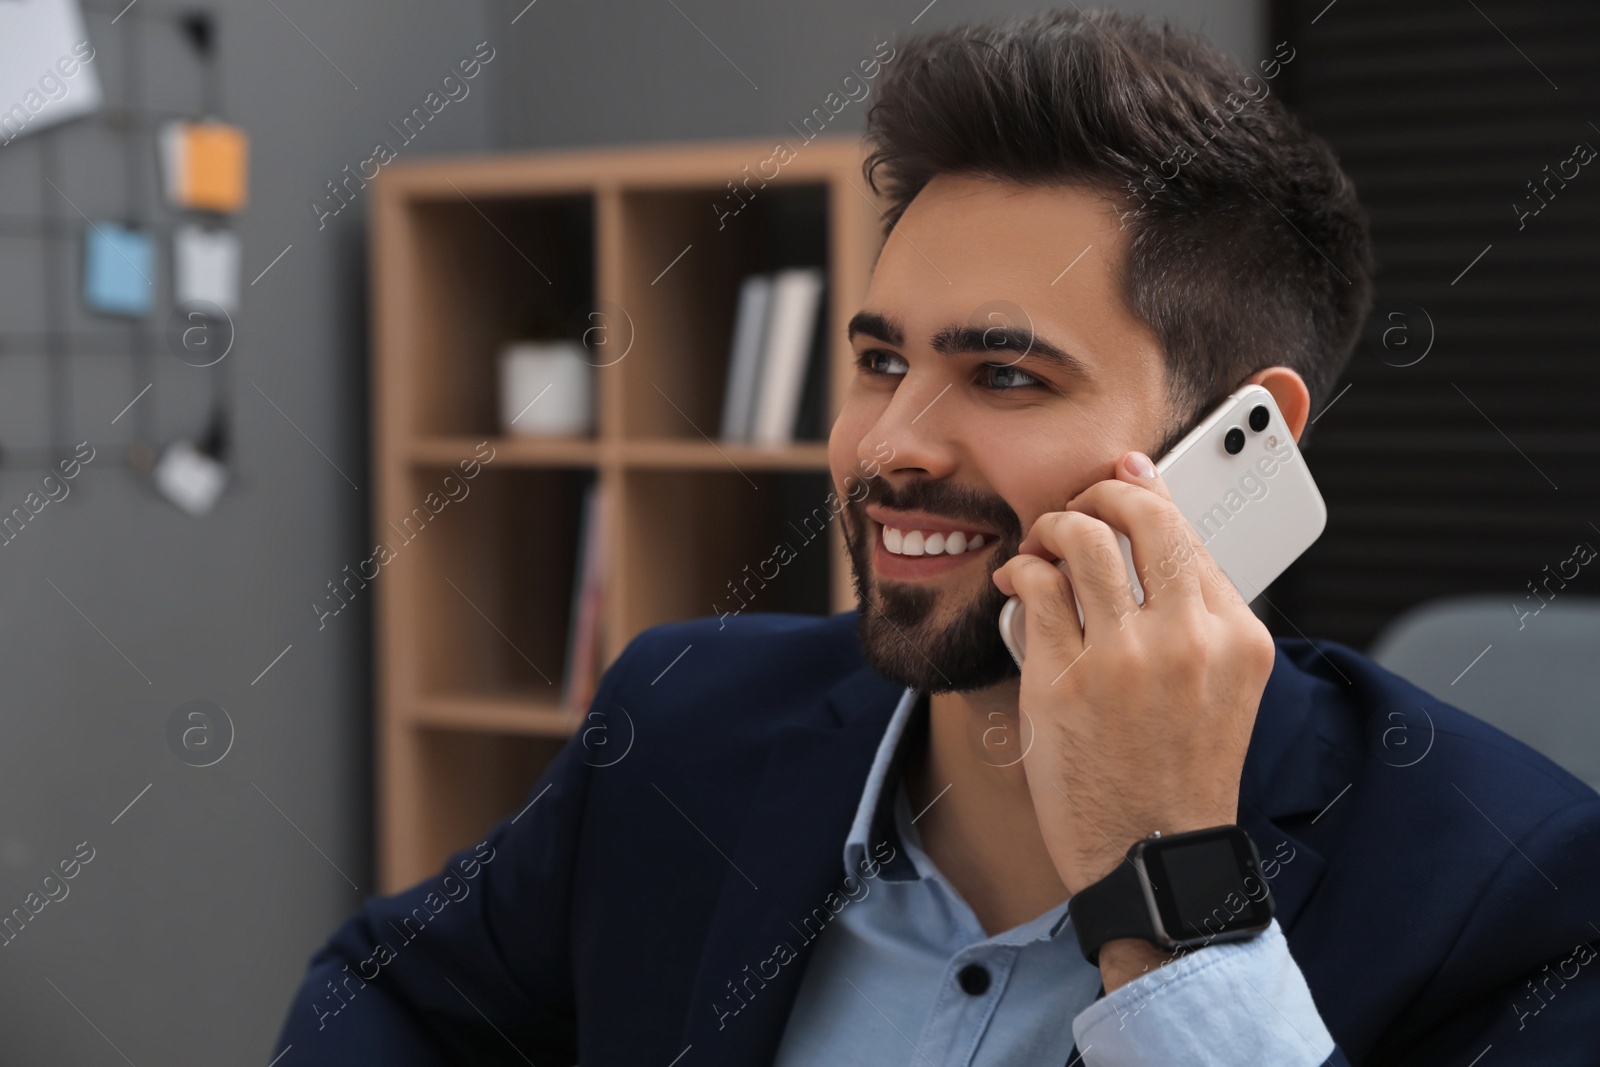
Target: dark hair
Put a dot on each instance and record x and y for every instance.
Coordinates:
(1255, 253)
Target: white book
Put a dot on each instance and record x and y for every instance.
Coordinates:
(796, 295)
(744, 359)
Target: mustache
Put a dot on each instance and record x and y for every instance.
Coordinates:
(955, 502)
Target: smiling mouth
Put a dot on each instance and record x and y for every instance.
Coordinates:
(913, 545)
(910, 554)
(905, 542)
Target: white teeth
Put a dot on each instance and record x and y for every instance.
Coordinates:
(918, 543)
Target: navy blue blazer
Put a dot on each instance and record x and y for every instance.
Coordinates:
(1439, 882)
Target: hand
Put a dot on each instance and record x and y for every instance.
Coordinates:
(1142, 716)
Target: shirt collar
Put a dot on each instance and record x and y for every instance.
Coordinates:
(874, 823)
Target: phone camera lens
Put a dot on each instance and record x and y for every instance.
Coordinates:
(1259, 416)
(1234, 442)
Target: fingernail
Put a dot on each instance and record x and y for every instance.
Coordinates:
(1139, 465)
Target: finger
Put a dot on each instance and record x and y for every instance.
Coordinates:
(1120, 470)
(1221, 596)
(1094, 566)
(1050, 622)
(1165, 547)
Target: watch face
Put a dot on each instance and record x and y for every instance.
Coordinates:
(1208, 885)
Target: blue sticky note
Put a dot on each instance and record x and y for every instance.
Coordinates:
(119, 269)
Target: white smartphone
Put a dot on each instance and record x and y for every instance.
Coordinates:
(1243, 485)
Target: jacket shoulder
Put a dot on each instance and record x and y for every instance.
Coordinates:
(1458, 860)
(751, 669)
(1367, 712)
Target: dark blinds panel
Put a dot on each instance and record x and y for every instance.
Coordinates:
(1476, 467)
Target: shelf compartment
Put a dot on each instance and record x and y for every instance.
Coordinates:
(722, 531)
(496, 570)
(484, 271)
(681, 292)
(472, 780)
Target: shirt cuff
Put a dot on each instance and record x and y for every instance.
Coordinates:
(1235, 1003)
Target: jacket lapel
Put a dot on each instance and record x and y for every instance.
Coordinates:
(1293, 868)
(791, 846)
(1285, 776)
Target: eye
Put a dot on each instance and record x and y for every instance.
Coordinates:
(874, 360)
(1004, 377)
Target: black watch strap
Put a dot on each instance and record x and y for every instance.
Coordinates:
(1112, 908)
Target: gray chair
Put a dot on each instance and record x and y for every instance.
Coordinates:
(1539, 679)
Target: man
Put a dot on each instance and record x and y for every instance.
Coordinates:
(872, 839)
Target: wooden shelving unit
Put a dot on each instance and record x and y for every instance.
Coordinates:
(472, 615)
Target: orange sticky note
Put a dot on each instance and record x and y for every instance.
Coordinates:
(206, 165)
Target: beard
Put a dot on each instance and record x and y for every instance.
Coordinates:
(906, 633)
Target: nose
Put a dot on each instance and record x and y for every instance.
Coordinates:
(915, 428)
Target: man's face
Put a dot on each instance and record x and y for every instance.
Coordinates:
(999, 371)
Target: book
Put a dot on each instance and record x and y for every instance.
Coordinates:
(796, 296)
(588, 587)
(744, 357)
(812, 422)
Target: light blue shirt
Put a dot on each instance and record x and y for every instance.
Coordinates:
(904, 974)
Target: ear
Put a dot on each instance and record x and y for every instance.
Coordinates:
(1289, 392)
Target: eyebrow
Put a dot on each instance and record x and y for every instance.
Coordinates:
(959, 340)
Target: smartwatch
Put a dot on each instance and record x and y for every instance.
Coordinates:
(1181, 891)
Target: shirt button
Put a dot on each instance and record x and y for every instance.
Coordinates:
(974, 979)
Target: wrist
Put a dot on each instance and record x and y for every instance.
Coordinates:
(1125, 959)
(1100, 856)
(1172, 893)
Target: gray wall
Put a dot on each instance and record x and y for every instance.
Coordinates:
(185, 935)
(182, 940)
(625, 70)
